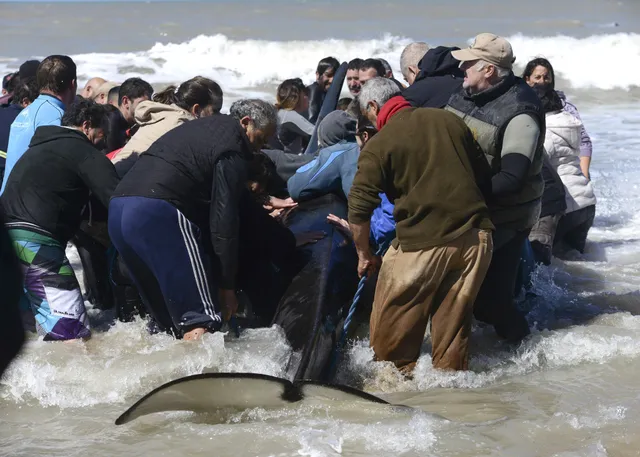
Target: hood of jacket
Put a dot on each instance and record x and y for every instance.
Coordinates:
(48, 133)
(439, 62)
(337, 126)
(149, 112)
(564, 128)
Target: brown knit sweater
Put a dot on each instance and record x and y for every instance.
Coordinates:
(431, 168)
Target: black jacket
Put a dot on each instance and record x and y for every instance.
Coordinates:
(200, 167)
(11, 329)
(316, 99)
(8, 114)
(52, 182)
(438, 79)
(553, 197)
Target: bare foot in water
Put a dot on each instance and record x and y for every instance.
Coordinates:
(194, 334)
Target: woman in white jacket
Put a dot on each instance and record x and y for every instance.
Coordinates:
(562, 145)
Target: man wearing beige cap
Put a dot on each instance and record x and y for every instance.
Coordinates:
(507, 120)
(101, 94)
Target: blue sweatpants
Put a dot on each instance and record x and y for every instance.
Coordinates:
(163, 251)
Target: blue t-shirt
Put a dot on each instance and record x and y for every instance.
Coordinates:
(45, 110)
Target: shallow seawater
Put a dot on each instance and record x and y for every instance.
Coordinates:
(569, 390)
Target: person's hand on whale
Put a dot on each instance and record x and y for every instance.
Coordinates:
(229, 303)
(341, 224)
(308, 237)
(279, 203)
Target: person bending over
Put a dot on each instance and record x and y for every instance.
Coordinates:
(435, 267)
(197, 97)
(333, 169)
(185, 187)
(130, 94)
(44, 199)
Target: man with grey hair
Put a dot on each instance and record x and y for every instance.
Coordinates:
(428, 164)
(187, 186)
(506, 118)
(374, 95)
(410, 58)
(257, 118)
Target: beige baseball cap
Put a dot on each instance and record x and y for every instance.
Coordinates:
(490, 48)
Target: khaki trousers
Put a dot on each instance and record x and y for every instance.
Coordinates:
(440, 283)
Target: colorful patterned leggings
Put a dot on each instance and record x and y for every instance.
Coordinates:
(50, 287)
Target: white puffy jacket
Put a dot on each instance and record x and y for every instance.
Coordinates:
(562, 144)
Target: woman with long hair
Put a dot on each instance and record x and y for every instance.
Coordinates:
(294, 130)
(562, 146)
(540, 71)
(197, 97)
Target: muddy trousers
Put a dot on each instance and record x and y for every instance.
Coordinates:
(439, 283)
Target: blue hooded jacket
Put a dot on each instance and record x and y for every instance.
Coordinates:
(332, 171)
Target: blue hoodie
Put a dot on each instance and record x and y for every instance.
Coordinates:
(45, 110)
(332, 171)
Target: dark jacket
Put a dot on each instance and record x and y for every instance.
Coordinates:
(438, 79)
(488, 114)
(53, 181)
(405, 161)
(7, 115)
(200, 167)
(11, 328)
(553, 197)
(316, 98)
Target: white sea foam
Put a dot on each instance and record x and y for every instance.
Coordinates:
(577, 59)
(246, 64)
(126, 361)
(606, 338)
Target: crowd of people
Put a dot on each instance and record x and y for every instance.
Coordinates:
(453, 182)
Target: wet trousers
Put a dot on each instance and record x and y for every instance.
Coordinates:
(165, 256)
(495, 303)
(439, 283)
